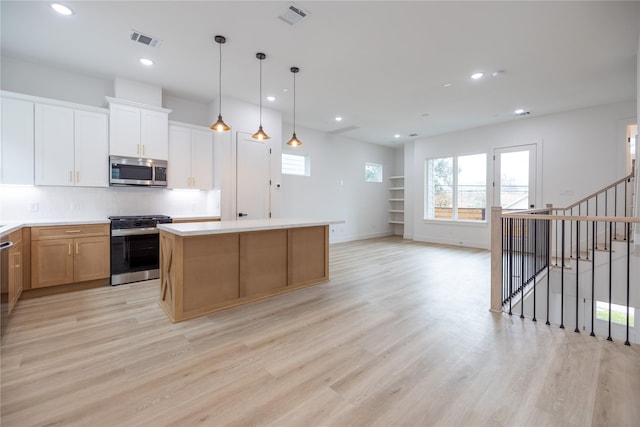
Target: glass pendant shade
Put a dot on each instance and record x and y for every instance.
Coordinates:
(294, 141)
(260, 135)
(220, 125)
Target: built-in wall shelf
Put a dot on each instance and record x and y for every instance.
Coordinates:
(396, 203)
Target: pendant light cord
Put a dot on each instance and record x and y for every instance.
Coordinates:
(220, 82)
(260, 92)
(294, 102)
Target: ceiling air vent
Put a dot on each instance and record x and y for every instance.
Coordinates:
(150, 41)
(343, 130)
(293, 14)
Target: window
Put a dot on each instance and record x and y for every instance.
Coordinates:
(618, 313)
(372, 172)
(295, 164)
(456, 188)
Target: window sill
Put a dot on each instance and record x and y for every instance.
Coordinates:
(463, 222)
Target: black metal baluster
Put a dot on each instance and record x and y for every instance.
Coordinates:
(570, 237)
(606, 210)
(626, 195)
(549, 264)
(577, 271)
(593, 281)
(595, 232)
(610, 275)
(522, 275)
(615, 210)
(587, 246)
(510, 263)
(562, 283)
(628, 236)
(535, 264)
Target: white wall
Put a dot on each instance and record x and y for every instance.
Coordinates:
(187, 111)
(336, 188)
(582, 152)
(39, 80)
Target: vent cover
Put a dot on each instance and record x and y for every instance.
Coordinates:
(293, 14)
(343, 130)
(145, 39)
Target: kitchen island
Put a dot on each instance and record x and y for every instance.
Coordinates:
(209, 266)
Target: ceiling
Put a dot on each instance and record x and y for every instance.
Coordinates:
(381, 65)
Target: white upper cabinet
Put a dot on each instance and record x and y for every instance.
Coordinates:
(16, 153)
(70, 147)
(190, 157)
(54, 145)
(136, 130)
(91, 149)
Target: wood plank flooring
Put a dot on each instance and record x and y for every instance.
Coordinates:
(401, 335)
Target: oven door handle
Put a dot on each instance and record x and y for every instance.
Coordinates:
(135, 231)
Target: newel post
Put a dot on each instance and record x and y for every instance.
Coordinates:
(496, 259)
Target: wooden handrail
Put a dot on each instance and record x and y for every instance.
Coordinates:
(520, 215)
(597, 193)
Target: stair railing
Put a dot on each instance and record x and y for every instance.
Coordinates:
(521, 247)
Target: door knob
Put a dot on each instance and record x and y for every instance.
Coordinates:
(242, 214)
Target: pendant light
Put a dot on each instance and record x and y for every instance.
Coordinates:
(260, 135)
(294, 141)
(220, 125)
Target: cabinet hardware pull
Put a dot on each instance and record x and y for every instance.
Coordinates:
(77, 176)
(143, 149)
(138, 149)
(70, 176)
(77, 250)
(73, 231)
(69, 248)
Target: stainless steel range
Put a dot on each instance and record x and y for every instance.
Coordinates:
(135, 248)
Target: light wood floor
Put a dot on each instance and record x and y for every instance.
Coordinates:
(401, 335)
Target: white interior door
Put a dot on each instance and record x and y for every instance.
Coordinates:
(515, 178)
(253, 175)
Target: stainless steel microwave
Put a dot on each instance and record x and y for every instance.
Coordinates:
(134, 171)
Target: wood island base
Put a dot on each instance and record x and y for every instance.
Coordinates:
(201, 274)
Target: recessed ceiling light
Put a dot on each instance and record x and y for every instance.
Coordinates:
(61, 9)
(338, 119)
(446, 85)
(285, 90)
(521, 112)
(477, 76)
(146, 61)
(396, 136)
(498, 73)
(271, 98)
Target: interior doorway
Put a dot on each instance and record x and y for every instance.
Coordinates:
(632, 136)
(515, 177)
(253, 177)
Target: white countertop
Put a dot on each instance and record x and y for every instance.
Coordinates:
(222, 227)
(194, 217)
(11, 226)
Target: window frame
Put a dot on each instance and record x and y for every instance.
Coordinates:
(377, 166)
(307, 164)
(455, 190)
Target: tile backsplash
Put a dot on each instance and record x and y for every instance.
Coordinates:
(24, 203)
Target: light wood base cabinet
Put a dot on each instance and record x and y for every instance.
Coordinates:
(205, 273)
(56, 260)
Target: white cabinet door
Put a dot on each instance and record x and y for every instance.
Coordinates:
(202, 159)
(154, 134)
(53, 145)
(179, 163)
(17, 142)
(91, 149)
(124, 131)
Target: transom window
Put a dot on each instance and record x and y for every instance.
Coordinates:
(295, 164)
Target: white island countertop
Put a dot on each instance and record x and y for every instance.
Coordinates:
(241, 226)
